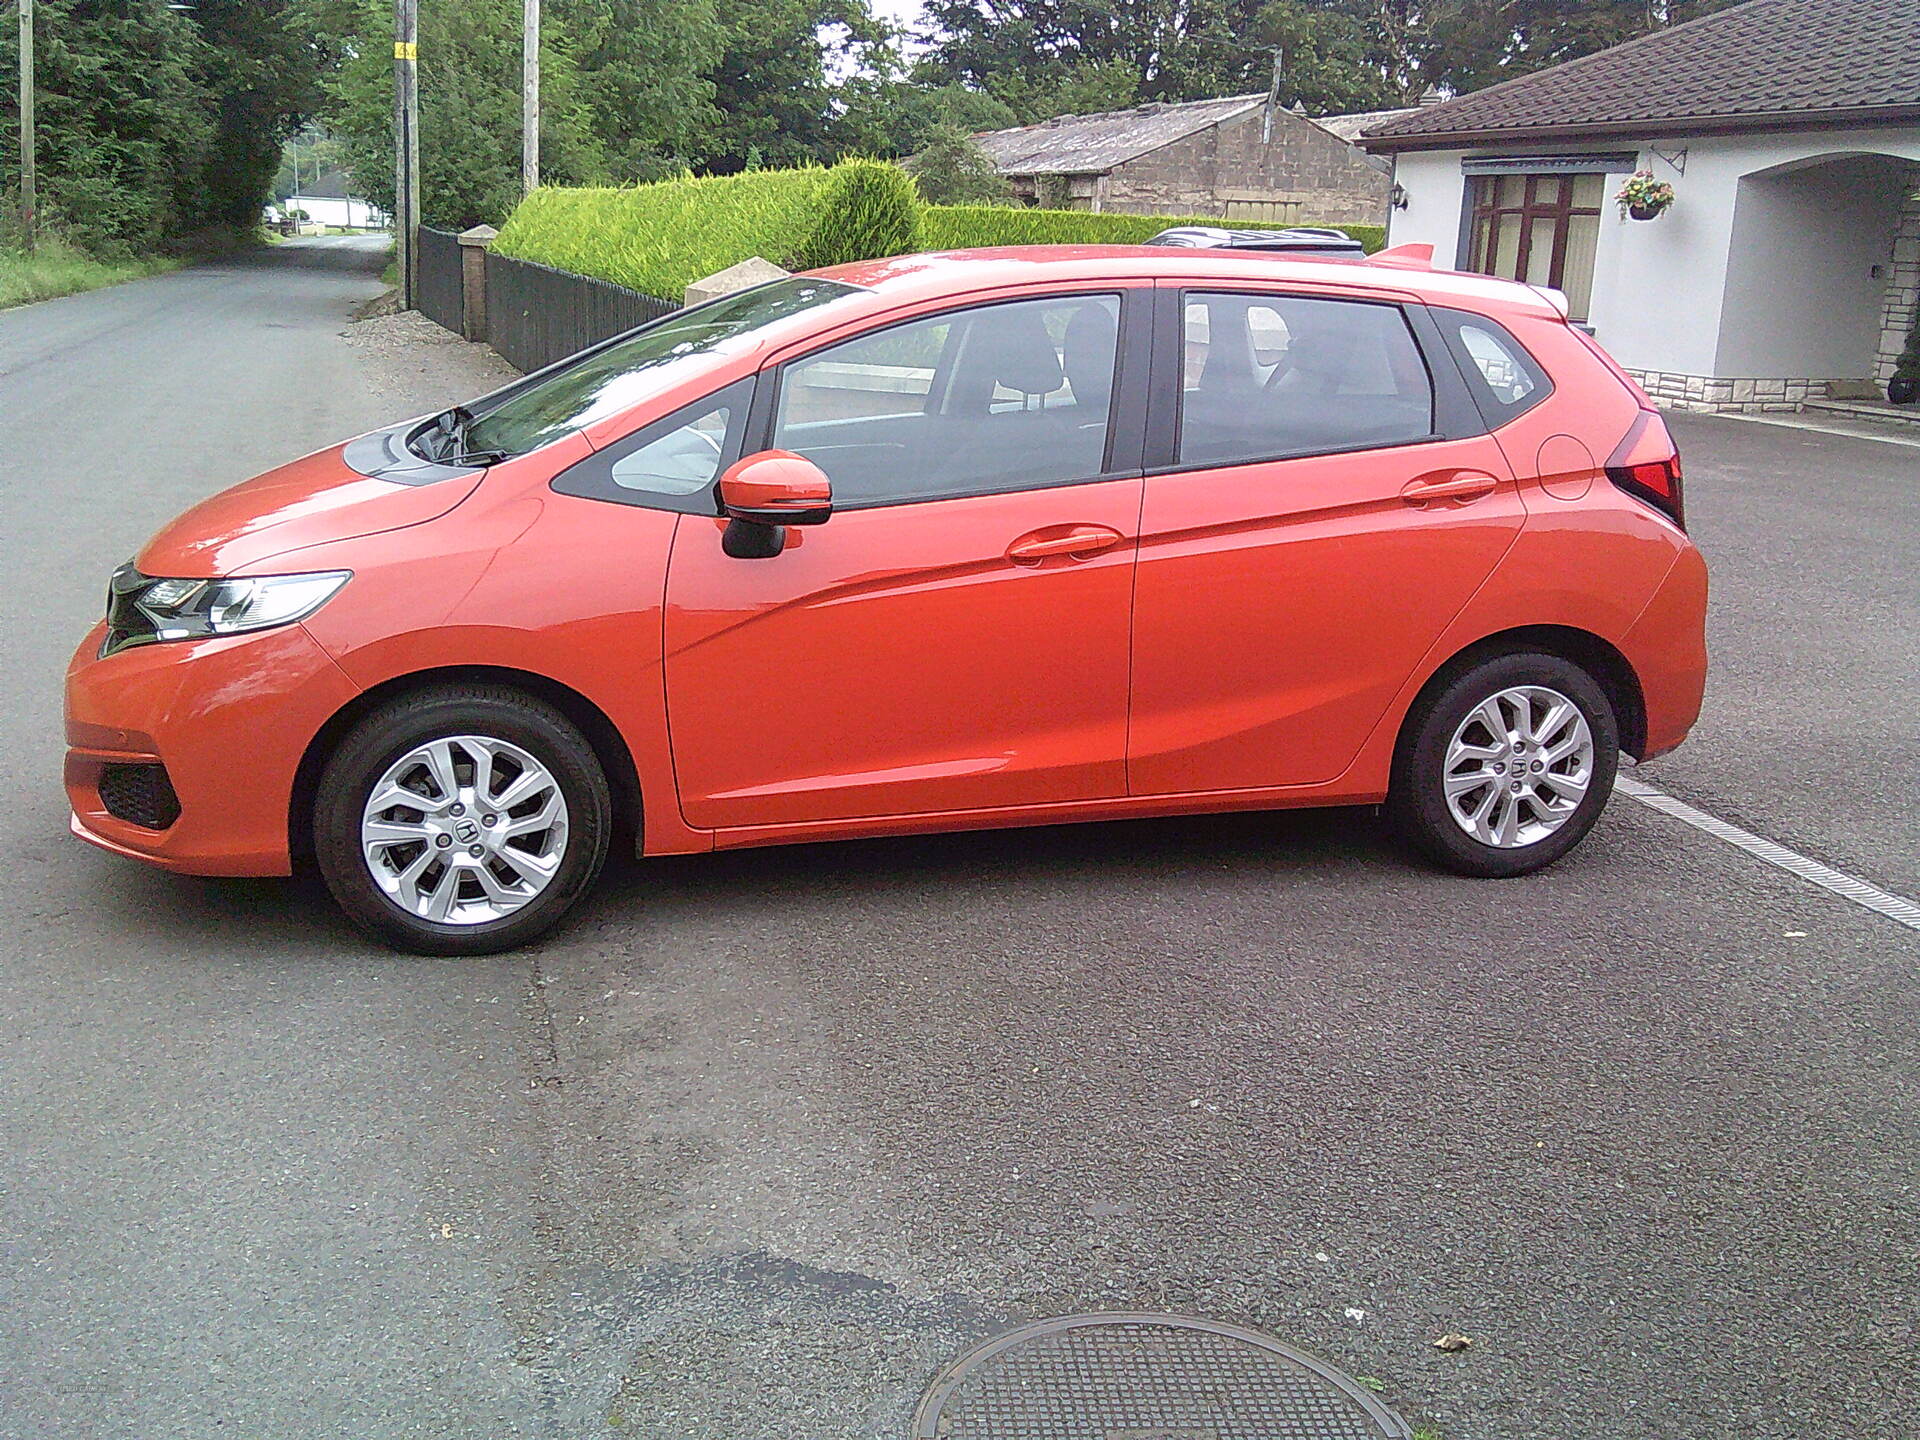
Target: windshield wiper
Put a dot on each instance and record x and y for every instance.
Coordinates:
(473, 457)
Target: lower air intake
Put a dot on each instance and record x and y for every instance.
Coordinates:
(140, 795)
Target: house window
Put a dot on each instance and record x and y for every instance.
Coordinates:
(1541, 229)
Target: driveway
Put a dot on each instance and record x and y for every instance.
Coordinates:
(757, 1145)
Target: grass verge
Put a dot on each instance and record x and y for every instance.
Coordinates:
(56, 268)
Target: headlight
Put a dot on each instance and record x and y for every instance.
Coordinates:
(142, 609)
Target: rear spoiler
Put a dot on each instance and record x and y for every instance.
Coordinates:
(1404, 257)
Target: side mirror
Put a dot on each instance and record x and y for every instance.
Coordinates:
(764, 492)
(776, 487)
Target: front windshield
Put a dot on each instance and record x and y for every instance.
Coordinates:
(605, 382)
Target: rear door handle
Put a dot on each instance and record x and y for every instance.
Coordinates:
(1076, 542)
(1464, 486)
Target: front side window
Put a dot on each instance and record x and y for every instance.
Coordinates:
(1011, 396)
(1267, 376)
(671, 464)
(604, 382)
(1542, 229)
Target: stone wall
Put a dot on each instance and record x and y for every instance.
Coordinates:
(1305, 175)
(1902, 308)
(1705, 392)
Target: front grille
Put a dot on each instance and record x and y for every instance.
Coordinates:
(140, 795)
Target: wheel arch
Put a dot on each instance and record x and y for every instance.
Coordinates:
(1593, 653)
(609, 746)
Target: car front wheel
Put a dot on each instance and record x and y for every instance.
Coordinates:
(461, 820)
(1507, 767)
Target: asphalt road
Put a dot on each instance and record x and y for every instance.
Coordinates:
(764, 1139)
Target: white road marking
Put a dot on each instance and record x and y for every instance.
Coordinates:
(1885, 431)
(1849, 887)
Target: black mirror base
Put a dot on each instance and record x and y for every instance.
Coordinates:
(750, 540)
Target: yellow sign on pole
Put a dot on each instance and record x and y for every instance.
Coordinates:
(406, 50)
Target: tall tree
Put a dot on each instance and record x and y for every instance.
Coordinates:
(124, 119)
(775, 81)
(264, 62)
(469, 109)
(1046, 57)
(646, 78)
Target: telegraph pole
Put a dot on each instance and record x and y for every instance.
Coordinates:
(530, 98)
(406, 142)
(27, 177)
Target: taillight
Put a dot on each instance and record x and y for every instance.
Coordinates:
(1647, 465)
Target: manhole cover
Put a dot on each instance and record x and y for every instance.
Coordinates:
(1146, 1377)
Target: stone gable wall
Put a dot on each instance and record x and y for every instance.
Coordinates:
(1305, 170)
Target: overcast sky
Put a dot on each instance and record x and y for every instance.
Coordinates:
(901, 12)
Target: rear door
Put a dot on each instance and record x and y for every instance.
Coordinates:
(955, 636)
(1323, 504)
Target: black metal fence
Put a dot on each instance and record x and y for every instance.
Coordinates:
(439, 291)
(536, 315)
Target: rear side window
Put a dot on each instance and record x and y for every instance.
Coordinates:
(1505, 380)
(1267, 376)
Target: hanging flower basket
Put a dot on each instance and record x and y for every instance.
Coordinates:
(1643, 197)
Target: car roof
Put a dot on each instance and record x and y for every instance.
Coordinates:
(905, 279)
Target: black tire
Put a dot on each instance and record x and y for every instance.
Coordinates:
(493, 712)
(1417, 803)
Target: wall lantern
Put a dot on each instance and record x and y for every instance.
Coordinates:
(1397, 197)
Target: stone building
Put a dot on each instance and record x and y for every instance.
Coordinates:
(1228, 158)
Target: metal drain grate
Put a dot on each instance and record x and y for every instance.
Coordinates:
(1146, 1377)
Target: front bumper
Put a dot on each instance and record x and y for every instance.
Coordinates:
(230, 718)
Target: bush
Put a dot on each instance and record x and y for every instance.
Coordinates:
(954, 169)
(660, 238)
(867, 210)
(1907, 367)
(965, 227)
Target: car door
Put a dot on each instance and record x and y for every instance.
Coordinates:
(955, 636)
(1322, 500)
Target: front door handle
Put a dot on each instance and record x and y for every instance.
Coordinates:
(1464, 486)
(1076, 542)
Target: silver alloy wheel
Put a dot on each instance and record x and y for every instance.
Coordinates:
(1518, 766)
(464, 830)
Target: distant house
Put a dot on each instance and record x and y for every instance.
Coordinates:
(1787, 270)
(1229, 158)
(329, 201)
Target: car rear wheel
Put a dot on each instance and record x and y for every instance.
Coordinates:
(1505, 768)
(461, 820)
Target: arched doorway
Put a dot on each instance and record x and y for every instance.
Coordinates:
(1823, 272)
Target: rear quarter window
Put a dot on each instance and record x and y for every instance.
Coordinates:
(1506, 381)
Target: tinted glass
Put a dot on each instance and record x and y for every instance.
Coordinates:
(605, 382)
(671, 464)
(1505, 380)
(1266, 376)
(1002, 397)
(681, 461)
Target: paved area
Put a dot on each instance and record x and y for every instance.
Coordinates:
(767, 1138)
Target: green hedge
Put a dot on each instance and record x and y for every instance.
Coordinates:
(660, 238)
(867, 208)
(963, 227)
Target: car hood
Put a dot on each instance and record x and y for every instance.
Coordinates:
(312, 501)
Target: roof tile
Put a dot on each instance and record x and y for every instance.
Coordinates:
(1766, 58)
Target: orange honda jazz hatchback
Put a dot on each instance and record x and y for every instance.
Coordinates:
(948, 541)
